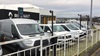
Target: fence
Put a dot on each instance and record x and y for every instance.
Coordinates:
(67, 47)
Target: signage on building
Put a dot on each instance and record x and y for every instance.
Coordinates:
(5, 14)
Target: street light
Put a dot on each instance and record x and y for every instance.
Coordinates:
(53, 40)
(80, 19)
(52, 20)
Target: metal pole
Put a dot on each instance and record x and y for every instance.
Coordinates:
(78, 45)
(52, 20)
(41, 47)
(54, 40)
(64, 45)
(91, 13)
(87, 21)
(80, 20)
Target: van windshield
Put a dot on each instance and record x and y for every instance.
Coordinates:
(58, 28)
(29, 29)
(78, 25)
(71, 27)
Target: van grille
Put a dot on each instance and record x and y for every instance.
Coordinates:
(45, 43)
(69, 36)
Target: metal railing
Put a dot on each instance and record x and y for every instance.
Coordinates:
(63, 48)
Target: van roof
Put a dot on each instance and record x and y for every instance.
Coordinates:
(48, 24)
(21, 21)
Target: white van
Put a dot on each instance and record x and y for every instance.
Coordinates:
(57, 30)
(20, 28)
(84, 29)
(75, 32)
(78, 26)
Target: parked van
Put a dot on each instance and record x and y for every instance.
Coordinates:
(21, 28)
(57, 30)
(78, 26)
(75, 32)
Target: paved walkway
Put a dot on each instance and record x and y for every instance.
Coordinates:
(96, 53)
(97, 26)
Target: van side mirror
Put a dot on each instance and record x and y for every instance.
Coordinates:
(48, 31)
(15, 35)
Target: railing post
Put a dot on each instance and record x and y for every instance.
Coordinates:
(78, 47)
(65, 45)
(96, 35)
(99, 34)
(92, 37)
(87, 36)
(40, 46)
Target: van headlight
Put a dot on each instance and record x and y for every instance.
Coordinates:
(61, 37)
(81, 33)
(75, 33)
(28, 42)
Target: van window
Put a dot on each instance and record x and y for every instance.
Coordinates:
(41, 27)
(65, 28)
(47, 28)
(58, 28)
(29, 29)
(72, 27)
(14, 31)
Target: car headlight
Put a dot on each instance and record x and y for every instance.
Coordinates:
(28, 42)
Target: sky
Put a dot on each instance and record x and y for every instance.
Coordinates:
(62, 8)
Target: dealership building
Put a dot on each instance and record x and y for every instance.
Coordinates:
(29, 11)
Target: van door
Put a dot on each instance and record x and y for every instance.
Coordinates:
(15, 35)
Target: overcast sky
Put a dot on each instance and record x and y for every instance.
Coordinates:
(62, 8)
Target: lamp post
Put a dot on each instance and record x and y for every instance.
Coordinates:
(53, 40)
(52, 20)
(91, 13)
(88, 19)
(80, 19)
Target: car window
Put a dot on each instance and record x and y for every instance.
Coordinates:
(46, 29)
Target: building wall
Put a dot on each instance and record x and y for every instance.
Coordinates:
(30, 11)
(46, 18)
(4, 14)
